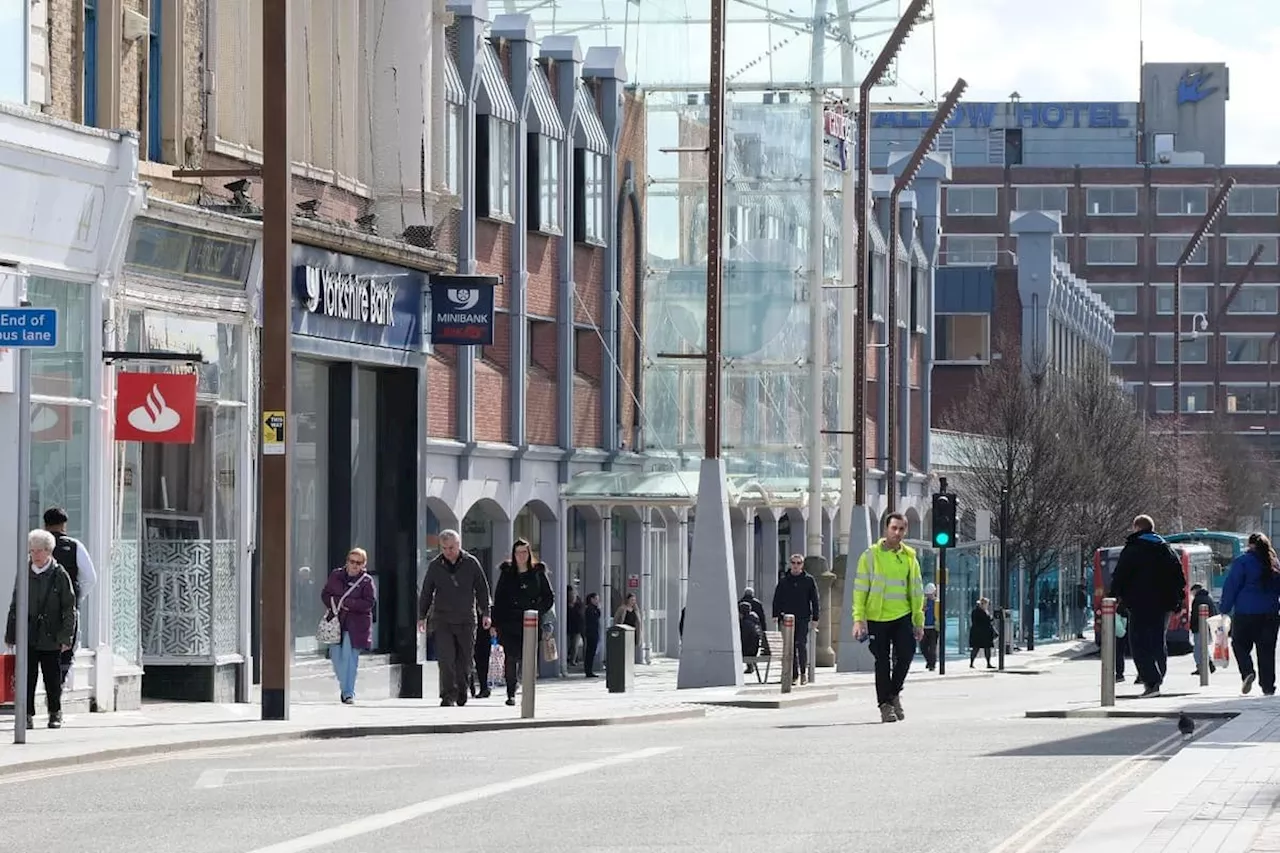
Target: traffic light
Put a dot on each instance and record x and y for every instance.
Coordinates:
(944, 520)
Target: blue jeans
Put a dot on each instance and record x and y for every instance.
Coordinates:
(346, 661)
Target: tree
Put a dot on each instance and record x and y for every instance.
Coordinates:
(1193, 487)
(1245, 475)
(1014, 430)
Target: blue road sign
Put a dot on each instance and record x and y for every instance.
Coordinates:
(29, 328)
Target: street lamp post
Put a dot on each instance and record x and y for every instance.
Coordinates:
(945, 110)
(1210, 216)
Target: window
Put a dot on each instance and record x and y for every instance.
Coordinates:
(1042, 198)
(1111, 201)
(1253, 201)
(1111, 251)
(13, 53)
(1195, 398)
(453, 147)
(1170, 249)
(1195, 299)
(1255, 299)
(496, 144)
(971, 251)
(1060, 246)
(1120, 298)
(962, 339)
(1124, 349)
(90, 82)
(1182, 201)
(589, 221)
(1240, 249)
(1247, 349)
(1193, 351)
(154, 85)
(545, 189)
(972, 201)
(1252, 399)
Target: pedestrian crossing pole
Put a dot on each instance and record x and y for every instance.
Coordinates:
(942, 609)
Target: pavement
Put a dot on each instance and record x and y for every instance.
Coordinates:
(965, 771)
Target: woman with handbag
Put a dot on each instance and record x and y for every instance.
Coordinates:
(522, 585)
(347, 625)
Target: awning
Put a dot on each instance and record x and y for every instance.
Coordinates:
(494, 98)
(590, 134)
(454, 91)
(545, 118)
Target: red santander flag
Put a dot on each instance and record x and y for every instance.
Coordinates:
(159, 408)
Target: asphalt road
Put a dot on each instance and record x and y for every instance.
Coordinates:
(964, 772)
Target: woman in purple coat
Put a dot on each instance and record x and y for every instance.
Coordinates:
(349, 594)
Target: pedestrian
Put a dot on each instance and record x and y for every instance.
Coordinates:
(1151, 585)
(929, 644)
(1200, 596)
(51, 623)
(1122, 643)
(757, 607)
(71, 554)
(888, 609)
(629, 614)
(982, 631)
(591, 617)
(750, 632)
(350, 596)
(455, 591)
(523, 584)
(573, 625)
(797, 595)
(1251, 594)
(483, 656)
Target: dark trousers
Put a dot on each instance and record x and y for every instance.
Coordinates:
(1256, 630)
(47, 664)
(1147, 646)
(512, 639)
(973, 655)
(455, 648)
(590, 645)
(1122, 646)
(482, 649)
(800, 659)
(894, 645)
(65, 659)
(929, 646)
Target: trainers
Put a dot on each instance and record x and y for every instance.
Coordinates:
(1248, 682)
(804, 678)
(1150, 693)
(897, 708)
(55, 720)
(511, 700)
(887, 714)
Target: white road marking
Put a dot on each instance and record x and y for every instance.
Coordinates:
(1079, 800)
(217, 777)
(395, 817)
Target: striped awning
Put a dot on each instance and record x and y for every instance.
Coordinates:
(545, 118)
(494, 98)
(454, 91)
(590, 134)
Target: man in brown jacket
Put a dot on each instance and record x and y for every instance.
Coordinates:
(454, 591)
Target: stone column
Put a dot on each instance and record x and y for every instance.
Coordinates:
(768, 574)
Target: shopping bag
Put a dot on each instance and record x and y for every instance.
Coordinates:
(550, 653)
(1221, 639)
(497, 665)
(8, 672)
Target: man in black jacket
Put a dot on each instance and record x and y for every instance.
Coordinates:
(454, 591)
(1150, 586)
(797, 594)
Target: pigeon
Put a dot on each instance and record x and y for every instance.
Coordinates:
(1186, 725)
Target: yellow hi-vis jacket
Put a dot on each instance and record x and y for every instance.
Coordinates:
(887, 586)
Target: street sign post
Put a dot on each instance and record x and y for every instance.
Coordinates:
(24, 329)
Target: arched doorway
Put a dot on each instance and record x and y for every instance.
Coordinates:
(486, 533)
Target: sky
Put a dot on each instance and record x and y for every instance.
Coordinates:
(1088, 50)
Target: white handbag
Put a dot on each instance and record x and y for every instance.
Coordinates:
(329, 631)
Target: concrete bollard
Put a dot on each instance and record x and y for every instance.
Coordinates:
(788, 651)
(529, 665)
(1202, 640)
(813, 650)
(1108, 652)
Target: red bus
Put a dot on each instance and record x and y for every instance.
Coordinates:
(1197, 567)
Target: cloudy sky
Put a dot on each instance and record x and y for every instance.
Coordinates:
(1084, 50)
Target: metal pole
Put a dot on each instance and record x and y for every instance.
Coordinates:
(529, 664)
(942, 611)
(1202, 641)
(1108, 652)
(22, 654)
(817, 322)
(715, 230)
(788, 651)
(1177, 396)
(276, 516)
(1003, 591)
(813, 646)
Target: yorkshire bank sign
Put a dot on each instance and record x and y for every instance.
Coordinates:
(347, 296)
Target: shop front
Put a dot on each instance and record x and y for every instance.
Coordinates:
(358, 374)
(181, 528)
(70, 194)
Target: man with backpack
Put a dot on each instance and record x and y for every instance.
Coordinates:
(1150, 586)
(71, 554)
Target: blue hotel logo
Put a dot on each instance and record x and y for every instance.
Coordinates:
(1191, 87)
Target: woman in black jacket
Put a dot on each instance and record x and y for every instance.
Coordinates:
(522, 585)
(982, 632)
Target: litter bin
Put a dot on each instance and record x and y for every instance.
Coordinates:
(620, 659)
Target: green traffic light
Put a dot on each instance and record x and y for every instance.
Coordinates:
(942, 540)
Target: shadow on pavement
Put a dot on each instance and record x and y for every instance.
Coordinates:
(829, 725)
(1126, 740)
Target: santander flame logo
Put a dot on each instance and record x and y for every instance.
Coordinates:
(154, 415)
